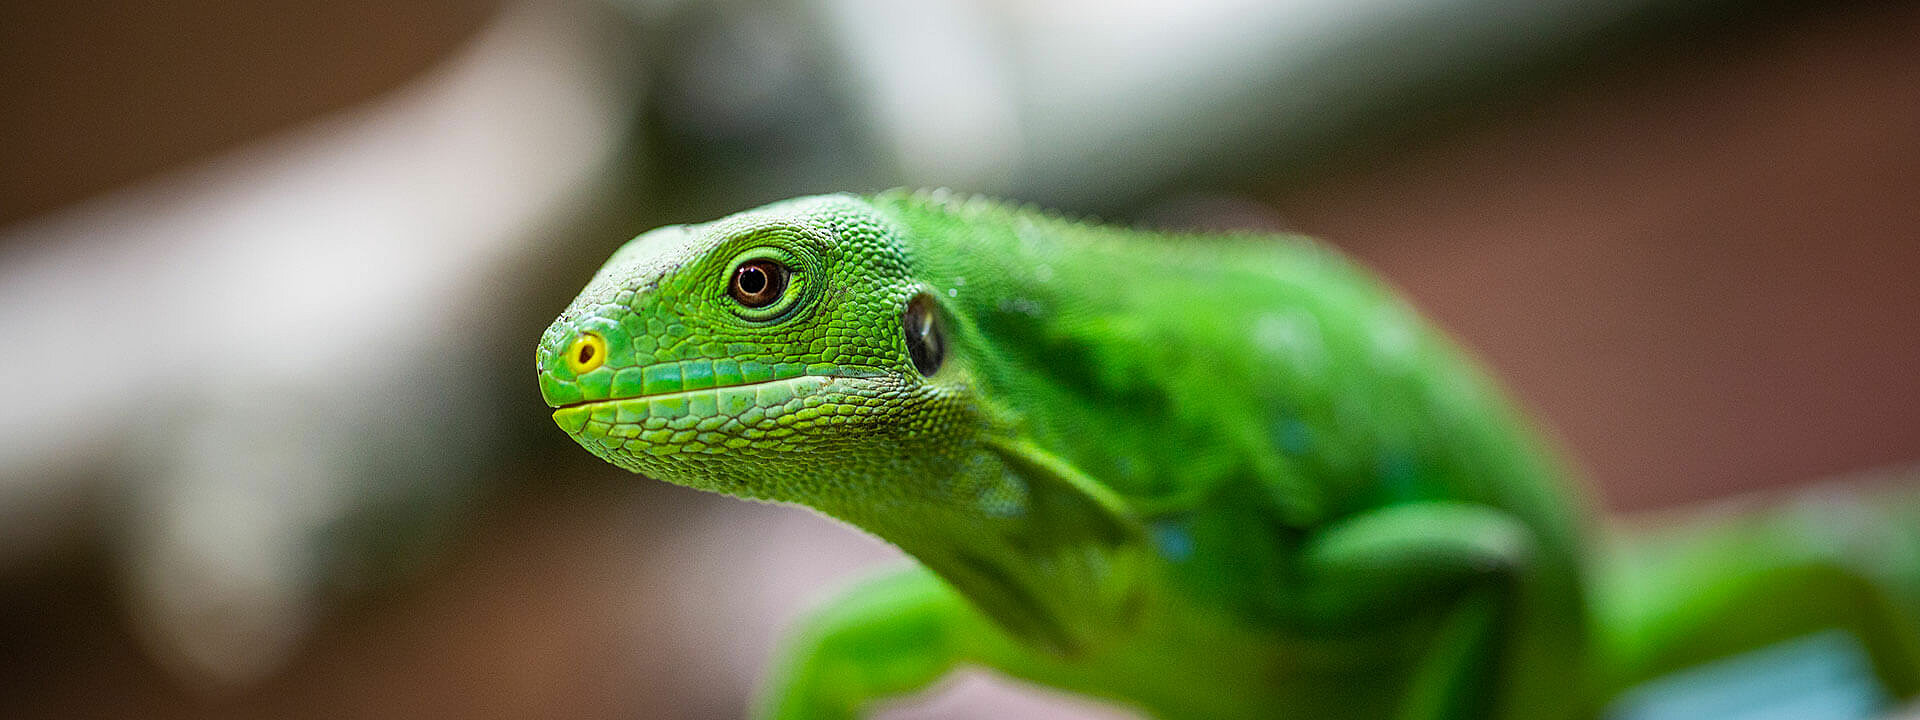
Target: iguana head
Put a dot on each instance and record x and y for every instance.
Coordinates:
(780, 354)
(789, 354)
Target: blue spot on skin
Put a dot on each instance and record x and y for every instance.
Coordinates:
(1172, 539)
(1006, 499)
(1293, 436)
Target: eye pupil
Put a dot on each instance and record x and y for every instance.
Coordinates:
(758, 283)
(752, 280)
(586, 353)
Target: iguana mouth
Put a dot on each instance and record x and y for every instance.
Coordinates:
(673, 393)
(664, 414)
(668, 378)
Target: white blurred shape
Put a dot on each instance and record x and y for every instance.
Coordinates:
(224, 583)
(1072, 101)
(935, 79)
(232, 338)
(1136, 91)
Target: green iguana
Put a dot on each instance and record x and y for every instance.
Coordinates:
(1206, 476)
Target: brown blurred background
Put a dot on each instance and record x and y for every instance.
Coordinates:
(1688, 240)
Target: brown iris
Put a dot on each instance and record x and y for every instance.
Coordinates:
(758, 283)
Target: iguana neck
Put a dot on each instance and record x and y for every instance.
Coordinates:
(1048, 555)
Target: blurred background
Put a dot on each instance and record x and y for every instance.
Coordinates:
(271, 274)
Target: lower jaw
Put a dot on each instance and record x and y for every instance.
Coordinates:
(693, 420)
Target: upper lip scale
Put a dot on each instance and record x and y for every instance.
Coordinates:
(837, 374)
(583, 403)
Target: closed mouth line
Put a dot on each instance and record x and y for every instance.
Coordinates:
(605, 401)
(685, 393)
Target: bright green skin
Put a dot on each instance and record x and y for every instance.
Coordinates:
(1206, 476)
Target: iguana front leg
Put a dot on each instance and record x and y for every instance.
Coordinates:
(1399, 561)
(890, 636)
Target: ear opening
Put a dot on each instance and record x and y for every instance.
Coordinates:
(926, 341)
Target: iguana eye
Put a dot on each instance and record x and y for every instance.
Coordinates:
(925, 345)
(758, 283)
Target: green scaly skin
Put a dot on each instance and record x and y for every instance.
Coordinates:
(1204, 476)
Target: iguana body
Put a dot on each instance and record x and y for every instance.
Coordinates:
(1206, 476)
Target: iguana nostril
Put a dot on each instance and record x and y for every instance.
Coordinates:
(589, 351)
